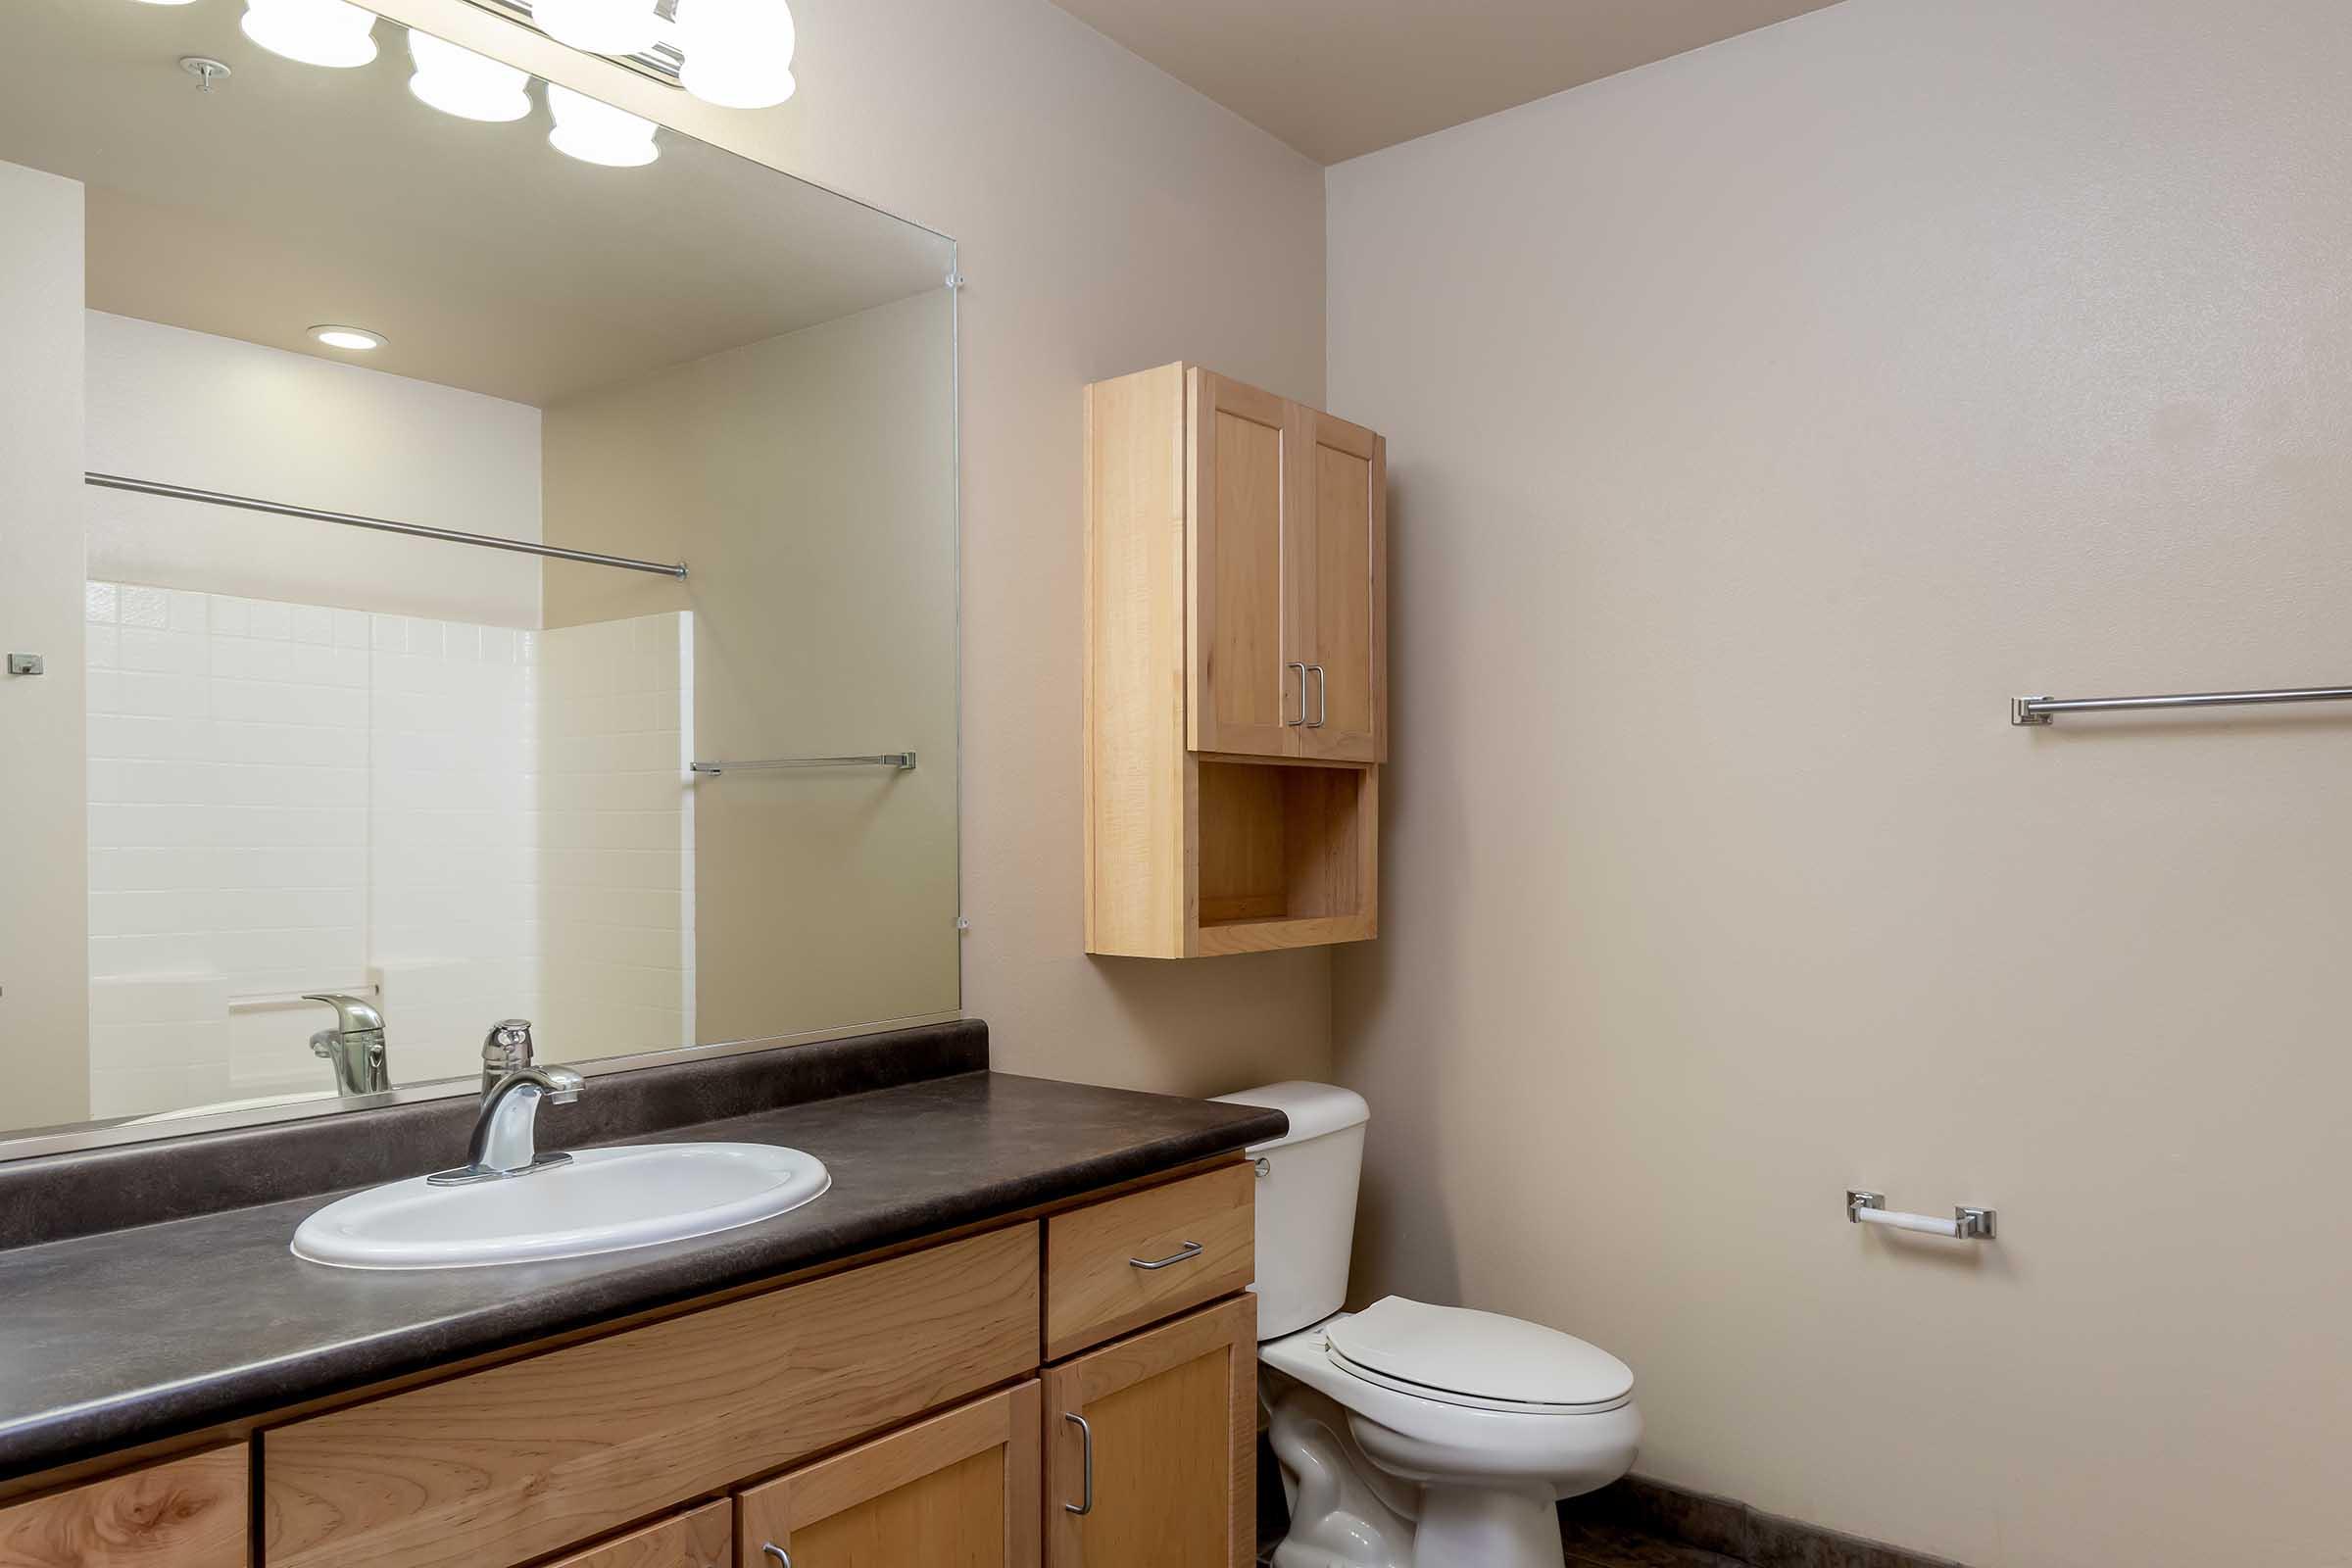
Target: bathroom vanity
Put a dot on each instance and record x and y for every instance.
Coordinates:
(1015, 1331)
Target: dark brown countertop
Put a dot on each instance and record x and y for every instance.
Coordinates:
(121, 1337)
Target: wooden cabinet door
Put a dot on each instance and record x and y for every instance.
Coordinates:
(958, 1491)
(1153, 1448)
(187, 1513)
(701, 1538)
(1240, 696)
(1335, 550)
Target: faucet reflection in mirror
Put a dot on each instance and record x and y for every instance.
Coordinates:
(355, 1046)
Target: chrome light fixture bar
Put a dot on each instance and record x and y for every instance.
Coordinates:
(661, 63)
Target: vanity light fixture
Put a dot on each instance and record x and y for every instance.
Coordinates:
(357, 338)
(738, 52)
(457, 81)
(596, 132)
(600, 26)
(316, 32)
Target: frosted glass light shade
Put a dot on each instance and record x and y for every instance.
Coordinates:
(457, 81)
(738, 52)
(316, 32)
(596, 132)
(600, 26)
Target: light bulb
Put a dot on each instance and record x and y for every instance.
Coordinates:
(596, 132)
(357, 338)
(738, 52)
(316, 32)
(457, 81)
(600, 26)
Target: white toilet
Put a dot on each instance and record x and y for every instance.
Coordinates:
(1409, 1435)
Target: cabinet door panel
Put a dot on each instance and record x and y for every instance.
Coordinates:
(958, 1491)
(187, 1513)
(704, 1537)
(1172, 1417)
(1338, 549)
(1241, 699)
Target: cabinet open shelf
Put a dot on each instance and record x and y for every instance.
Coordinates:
(1284, 855)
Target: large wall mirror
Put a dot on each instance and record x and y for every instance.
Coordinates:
(661, 756)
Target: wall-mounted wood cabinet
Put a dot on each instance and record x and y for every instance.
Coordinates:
(1236, 668)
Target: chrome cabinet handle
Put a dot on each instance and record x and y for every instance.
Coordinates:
(1293, 724)
(1183, 1255)
(1322, 698)
(1086, 1437)
(781, 1557)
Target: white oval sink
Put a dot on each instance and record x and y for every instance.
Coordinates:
(606, 1200)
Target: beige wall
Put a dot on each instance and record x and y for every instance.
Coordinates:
(44, 993)
(1108, 219)
(809, 483)
(1762, 422)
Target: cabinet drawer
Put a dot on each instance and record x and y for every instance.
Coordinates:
(1116, 1266)
(701, 1538)
(189, 1513)
(511, 1463)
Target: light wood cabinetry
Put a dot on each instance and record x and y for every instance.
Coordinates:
(1151, 1445)
(699, 1538)
(958, 1491)
(897, 1411)
(1115, 1266)
(506, 1465)
(1235, 675)
(187, 1513)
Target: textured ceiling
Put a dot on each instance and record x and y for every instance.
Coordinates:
(292, 195)
(1337, 78)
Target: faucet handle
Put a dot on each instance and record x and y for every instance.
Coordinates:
(507, 1046)
(351, 1015)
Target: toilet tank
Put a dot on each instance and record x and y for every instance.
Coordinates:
(1306, 1202)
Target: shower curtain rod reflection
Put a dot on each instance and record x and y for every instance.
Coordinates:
(349, 520)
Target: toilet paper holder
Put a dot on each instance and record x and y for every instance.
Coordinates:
(1965, 1224)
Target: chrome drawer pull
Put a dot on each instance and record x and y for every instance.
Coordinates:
(1293, 724)
(1086, 1436)
(1322, 698)
(1184, 1253)
(782, 1558)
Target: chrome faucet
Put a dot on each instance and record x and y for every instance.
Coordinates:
(355, 1046)
(505, 1048)
(504, 1137)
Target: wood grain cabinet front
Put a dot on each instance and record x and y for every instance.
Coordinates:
(1152, 1447)
(1235, 670)
(958, 1491)
(699, 1538)
(1118, 1265)
(506, 1465)
(187, 1513)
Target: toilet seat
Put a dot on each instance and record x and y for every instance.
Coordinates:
(1478, 1360)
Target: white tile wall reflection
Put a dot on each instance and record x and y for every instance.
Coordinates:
(290, 798)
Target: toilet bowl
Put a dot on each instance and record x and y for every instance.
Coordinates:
(1409, 1434)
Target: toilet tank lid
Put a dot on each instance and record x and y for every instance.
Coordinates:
(1313, 1109)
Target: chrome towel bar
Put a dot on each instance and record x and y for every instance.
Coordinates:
(1965, 1224)
(903, 761)
(2040, 710)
